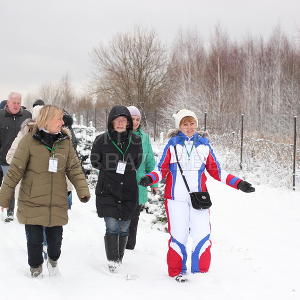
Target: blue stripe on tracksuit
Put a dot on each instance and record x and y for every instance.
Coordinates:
(195, 255)
(154, 178)
(233, 181)
(173, 170)
(184, 254)
(163, 157)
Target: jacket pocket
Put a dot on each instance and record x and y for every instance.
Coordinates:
(26, 188)
(38, 191)
(99, 187)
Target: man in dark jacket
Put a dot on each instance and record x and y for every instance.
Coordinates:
(11, 118)
(117, 153)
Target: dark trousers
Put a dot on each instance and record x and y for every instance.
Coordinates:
(1, 175)
(133, 228)
(34, 236)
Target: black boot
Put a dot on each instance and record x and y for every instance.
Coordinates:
(133, 228)
(111, 242)
(122, 245)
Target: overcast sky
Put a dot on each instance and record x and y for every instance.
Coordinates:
(42, 40)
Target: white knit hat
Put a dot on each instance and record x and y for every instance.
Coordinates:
(134, 111)
(36, 111)
(183, 113)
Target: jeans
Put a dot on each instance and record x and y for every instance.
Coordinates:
(11, 207)
(114, 226)
(35, 238)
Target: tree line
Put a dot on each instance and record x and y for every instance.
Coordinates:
(257, 77)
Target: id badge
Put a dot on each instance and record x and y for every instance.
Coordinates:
(121, 167)
(53, 162)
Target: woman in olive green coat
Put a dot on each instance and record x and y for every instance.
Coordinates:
(148, 163)
(45, 155)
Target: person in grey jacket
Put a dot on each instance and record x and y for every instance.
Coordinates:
(11, 118)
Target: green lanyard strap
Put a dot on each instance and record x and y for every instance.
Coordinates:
(189, 153)
(118, 148)
(50, 149)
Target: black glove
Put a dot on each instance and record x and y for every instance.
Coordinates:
(86, 172)
(245, 187)
(145, 181)
(85, 199)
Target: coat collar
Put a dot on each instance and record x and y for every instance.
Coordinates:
(48, 139)
(9, 114)
(197, 139)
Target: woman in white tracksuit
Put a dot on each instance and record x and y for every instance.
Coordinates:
(195, 156)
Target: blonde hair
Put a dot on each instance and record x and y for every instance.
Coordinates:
(47, 113)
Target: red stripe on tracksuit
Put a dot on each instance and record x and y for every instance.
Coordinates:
(203, 182)
(212, 167)
(167, 213)
(229, 177)
(204, 261)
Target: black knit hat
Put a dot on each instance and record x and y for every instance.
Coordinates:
(38, 102)
(68, 120)
(2, 104)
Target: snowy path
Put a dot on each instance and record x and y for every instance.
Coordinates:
(255, 253)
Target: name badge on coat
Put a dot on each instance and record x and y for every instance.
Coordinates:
(53, 163)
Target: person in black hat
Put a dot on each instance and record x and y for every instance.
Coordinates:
(3, 104)
(38, 102)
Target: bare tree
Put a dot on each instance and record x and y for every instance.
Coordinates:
(132, 70)
(59, 93)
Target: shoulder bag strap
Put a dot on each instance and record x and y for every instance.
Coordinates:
(183, 177)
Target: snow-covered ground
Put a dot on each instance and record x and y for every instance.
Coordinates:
(255, 254)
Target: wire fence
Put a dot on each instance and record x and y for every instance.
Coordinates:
(264, 160)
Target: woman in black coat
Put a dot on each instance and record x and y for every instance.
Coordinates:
(117, 154)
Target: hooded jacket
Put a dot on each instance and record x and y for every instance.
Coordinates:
(43, 194)
(117, 194)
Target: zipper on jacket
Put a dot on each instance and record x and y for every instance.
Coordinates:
(52, 154)
(50, 200)
(50, 205)
(15, 125)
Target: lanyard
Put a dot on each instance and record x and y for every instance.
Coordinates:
(189, 153)
(51, 149)
(118, 148)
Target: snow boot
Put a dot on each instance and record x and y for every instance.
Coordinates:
(35, 272)
(122, 245)
(52, 267)
(10, 216)
(111, 242)
(181, 278)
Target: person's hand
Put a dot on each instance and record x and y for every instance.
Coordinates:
(154, 190)
(85, 199)
(245, 187)
(145, 181)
